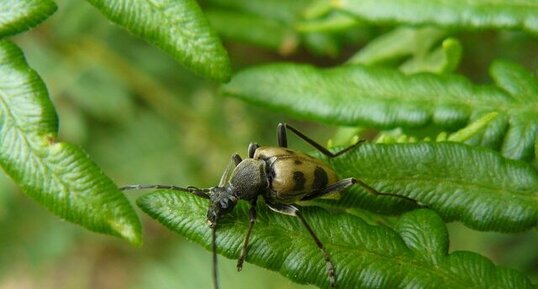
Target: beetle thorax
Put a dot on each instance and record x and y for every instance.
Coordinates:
(249, 179)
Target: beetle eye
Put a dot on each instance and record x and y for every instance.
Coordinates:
(224, 204)
(227, 204)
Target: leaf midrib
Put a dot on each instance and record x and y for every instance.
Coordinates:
(46, 168)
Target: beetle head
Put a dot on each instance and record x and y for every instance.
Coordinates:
(221, 202)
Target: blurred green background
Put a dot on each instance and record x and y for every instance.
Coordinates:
(145, 119)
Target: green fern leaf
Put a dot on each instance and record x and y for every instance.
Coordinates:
(474, 128)
(20, 15)
(415, 43)
(334, 21)
(252, 29)
(283, 11)
(444, 59)
(386, 98)
(415, 255)
(470, 184)
(522, 133)
(462, 14)
(177, 27)
(58, 175)
(279, 24)
(398, 44)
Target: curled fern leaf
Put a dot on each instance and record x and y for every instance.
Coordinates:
(58, 175)
(365, 256)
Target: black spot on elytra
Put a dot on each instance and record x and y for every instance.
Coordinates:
(297, 162)
(299, 179)
(320, 179)
(290, 152)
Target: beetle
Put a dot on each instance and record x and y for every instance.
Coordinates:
(282, 177)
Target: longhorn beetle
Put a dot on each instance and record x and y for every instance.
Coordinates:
(280, 175)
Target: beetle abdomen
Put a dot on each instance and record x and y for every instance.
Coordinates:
(294, 175)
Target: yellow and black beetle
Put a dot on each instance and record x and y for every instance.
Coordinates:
(281, 176)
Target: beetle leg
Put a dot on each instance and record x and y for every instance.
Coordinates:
(244, 249)
(283, 141)
(336, 187)
(281, 135)
(293, 211)
(252, 147)
(236, 158)
(190, 189)
(328, 261)
(346, 183)
(343, 151)
(376, 192)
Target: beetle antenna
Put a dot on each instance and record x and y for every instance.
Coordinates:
(190, 189)
(214, 247)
